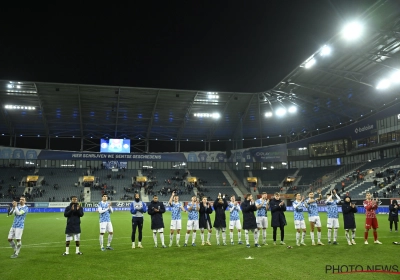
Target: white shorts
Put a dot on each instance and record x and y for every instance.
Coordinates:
(299, 224)
(262, 222)
(235, 224)
(316, 220)
(106, 227)
(176, 224)
(333, 223)
(160, 230)
(15, 233)
(71, 236)
(192, 224)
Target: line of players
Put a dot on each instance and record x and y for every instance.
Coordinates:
(199, 218)
(300, 205)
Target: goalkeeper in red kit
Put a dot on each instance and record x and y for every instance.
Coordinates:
(370, 206)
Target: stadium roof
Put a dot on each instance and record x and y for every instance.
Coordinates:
(338, 89)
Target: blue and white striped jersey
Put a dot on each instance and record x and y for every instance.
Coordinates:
(234, 211)
(298, 210)
(176, 211)
(194, 213)
(104, 212)
(262, 212)
(332, 209)
(19, 220)
(312, 208)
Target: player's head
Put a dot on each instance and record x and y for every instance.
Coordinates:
(176, 198)
(155, 198)
(137, 197)
(204, 199)
(233, 198)
(311, 194)
(194, 198)
(249, 196)
(264, 195)
(22, 200)
(297, 196)
(74, 199)
(277, 195)
(347, 199)
(368, 195)
(104, 197)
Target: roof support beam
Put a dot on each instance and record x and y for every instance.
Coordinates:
(152, 116)
(217, 124)
(46, 126)
(330, 95)
(80, 111)
(116, 118)
(244, 115)
(186, 117)
(8, 122)
(343, 77)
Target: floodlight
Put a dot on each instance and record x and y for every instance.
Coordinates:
(216, 115)
(383, 84)
(280, 112)
(352, 30)
(268, 114)
(325, 50)
(292, 109)
(310, 63)
(395, 78)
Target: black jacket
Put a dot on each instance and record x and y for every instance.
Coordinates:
(156, 217)
(73, 216)
(220, 218)
(249, 219)
(278, 218)
(393, 213)
(348, 215)
(204, 216)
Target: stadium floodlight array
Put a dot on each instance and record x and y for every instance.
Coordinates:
(387, 82)
(212, 95)
(19, 107)
(208, 115)
(352, 30)
(292, 109)
(281, 111)
(325, 50)
(310, 63)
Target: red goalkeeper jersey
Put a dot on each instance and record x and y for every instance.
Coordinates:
(370, 207)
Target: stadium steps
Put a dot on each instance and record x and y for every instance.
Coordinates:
(144, 196)
(228, 178)
(230, 182)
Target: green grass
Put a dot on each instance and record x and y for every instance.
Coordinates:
(44, 242)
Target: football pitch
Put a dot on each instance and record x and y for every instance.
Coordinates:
(43, 243)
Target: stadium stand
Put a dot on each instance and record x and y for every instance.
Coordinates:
(273, 177)
(309, 175)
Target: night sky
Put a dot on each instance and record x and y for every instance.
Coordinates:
(241, 46)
